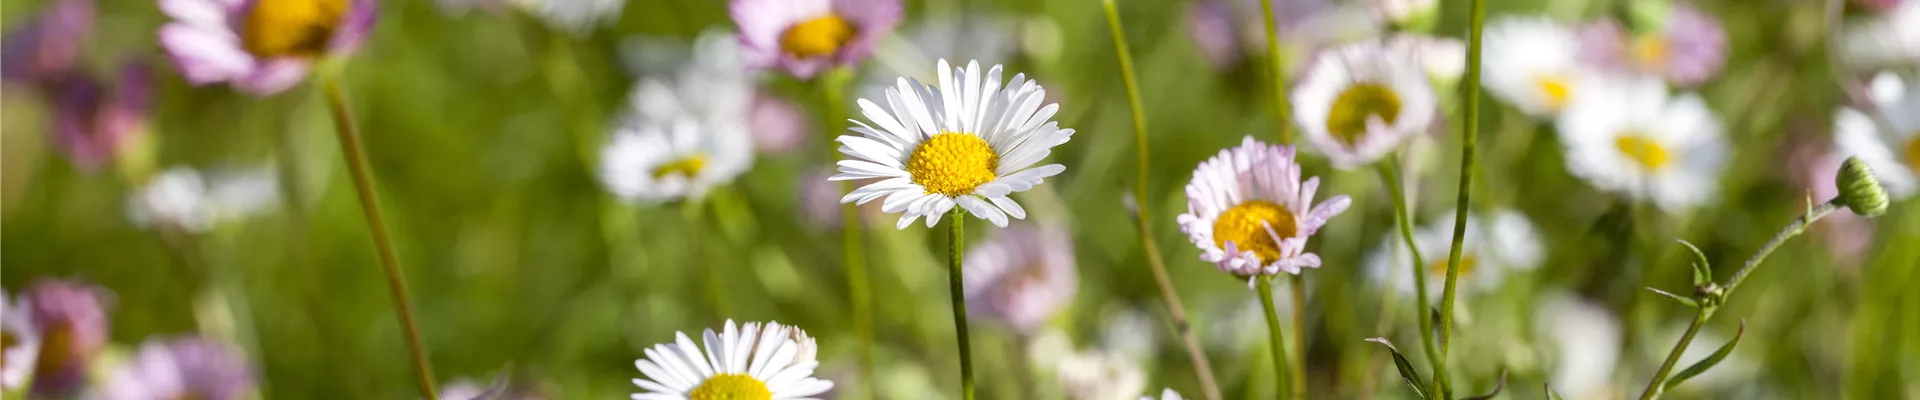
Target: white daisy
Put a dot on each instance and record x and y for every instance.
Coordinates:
(182, 198)
(1625, 135)
(1891, 38)
(1490, 249)
(754, 361)
(577, 17)
(21, 345)
(1100, 375)
(1894, 156)
(1022, 276)
(1166, 394)
(1250, 213)
(1359, 101)
(1586, 346)
(967, 142)
(683, 137)
(1532, 64)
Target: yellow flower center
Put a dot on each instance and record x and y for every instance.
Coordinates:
(1650, 51)
(7, 341)
(56, 346)
(1648, 153)
(731, 387)
(1246, 226)
(291, 28)
(1913, 153)
(953, 163)
(816, 37)
(1556, 88)
(1439, 267)
(1347, 121)
(686, 167)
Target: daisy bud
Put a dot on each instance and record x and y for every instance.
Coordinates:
(1859, 189)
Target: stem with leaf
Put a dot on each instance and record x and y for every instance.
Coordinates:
(1390, 175)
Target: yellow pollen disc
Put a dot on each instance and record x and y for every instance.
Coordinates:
(1650, 51)
(1246, 226)
(291, 28)
(1347, 121)
(1556, 89)
(1439, 267)
(686, 167)
(1913, 153)
(731, 387)
(816, 37)
(1649, 154)
(953, 164)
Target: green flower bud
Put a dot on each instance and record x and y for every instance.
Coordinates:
(1860, 191)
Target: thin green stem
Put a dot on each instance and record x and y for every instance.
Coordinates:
(1470, 131)
(1263, 287)
(1390, 175)
(1176, 312)
(956, 236)
(853, 231)
(1277, 71)
(694, 211)
(1299, 283)
(343, 124)
(1673, 357)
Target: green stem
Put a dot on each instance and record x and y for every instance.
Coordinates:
(1390, 175)
(693, 210)
(956, 236)
(343, 124)
(1470, 131)
(1277, 70)
(1299, 336)
(853, 243)
(1176, 312)
(1263, 287)
(1673, 357)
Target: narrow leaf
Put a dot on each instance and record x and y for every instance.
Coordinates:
(1709, 362)
(1683, 299)
(1702, 271)
(1552, 395)
(1406, 368)
(1496, 388)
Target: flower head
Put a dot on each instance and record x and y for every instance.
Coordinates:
(1628, 136)
(1021, 276)
(1888, 39)
(1687, 48)
(183, 198)
(1859, 189)
(1166, 394)
(1894, 156)
(1531, 63)
(1100, 375)
(753, 361)
(261, 47)
(805, 37)
(576, 17)
(1491, 248)
(1250, 213)
(183, 368)
(684, 136)
(72, 320)
(48, 48)
(19, 342)
(95, 124)
(1585, 341)
(1358, 102)
(968, 142)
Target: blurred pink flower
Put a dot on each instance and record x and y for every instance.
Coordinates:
(777, 125)
(1021, 276)
(1212, 27)
(261, 47)
(72, 320)
(94, 124)
(805, 37)
(184, 368)
(21, 345)
(1689, 49)
(49, 47)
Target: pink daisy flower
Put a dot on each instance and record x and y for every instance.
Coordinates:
(1250, 214)
(807, 36)
(261, 47)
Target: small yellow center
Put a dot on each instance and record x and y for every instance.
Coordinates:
(1439, 267)
(291, 28)
(731, 387)
(55, 344)
(685, 167)
(816, 37)
(1347, 121)
(1913, 153)
(953, 163)
(1648, 153)
(1246, 226)
(1650, 51)
(1556, 88)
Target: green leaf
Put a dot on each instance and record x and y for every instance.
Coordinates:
(1715, 358)
(1683, 299)
(1406, 368)
(1552, 395)
(1496, 388)
(1702, 271)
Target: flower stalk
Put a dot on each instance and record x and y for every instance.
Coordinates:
(349, 134)
(853, 244)
(1277, 71)
(1263, 287)
(1176, 312)
(956, 235)
(1299, 336)
(1390, 175)
(1470, 131)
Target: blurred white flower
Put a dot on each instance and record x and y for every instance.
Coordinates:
(182, 198)
(1444, 59)
(682, 137)
(747, 362)
(1894, 156)
(1885, 40)
(1165, 394)
(1131, 333)
(1491, 248)
(1359, 102)
(1404, 12)
(577, 17)
(1099, 375)
(21, 347)
(1586, 345)
(1250, 213)
(1530, 62)
(1624, 134)
(1021, 276)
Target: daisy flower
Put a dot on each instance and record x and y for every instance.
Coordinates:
(1491, 248)
(72, 319)
(1358, 102)
(682, 137)
(805, 37)
(1585, 340)
(261, 47)
(752, 361)
(19, 342)
(95, 124)
(968, 142)
(183, 198)
(1531, 63)
(1891, 38)
(1166, 394)
(1628, 136)
(1894, 156)
(1021, 276)
(1100, 375)
(577, 17)
(49, 47)
(1688, 48)
(1250, 213)
(186, 368)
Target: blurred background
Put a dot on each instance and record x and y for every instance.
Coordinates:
(483, 123)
